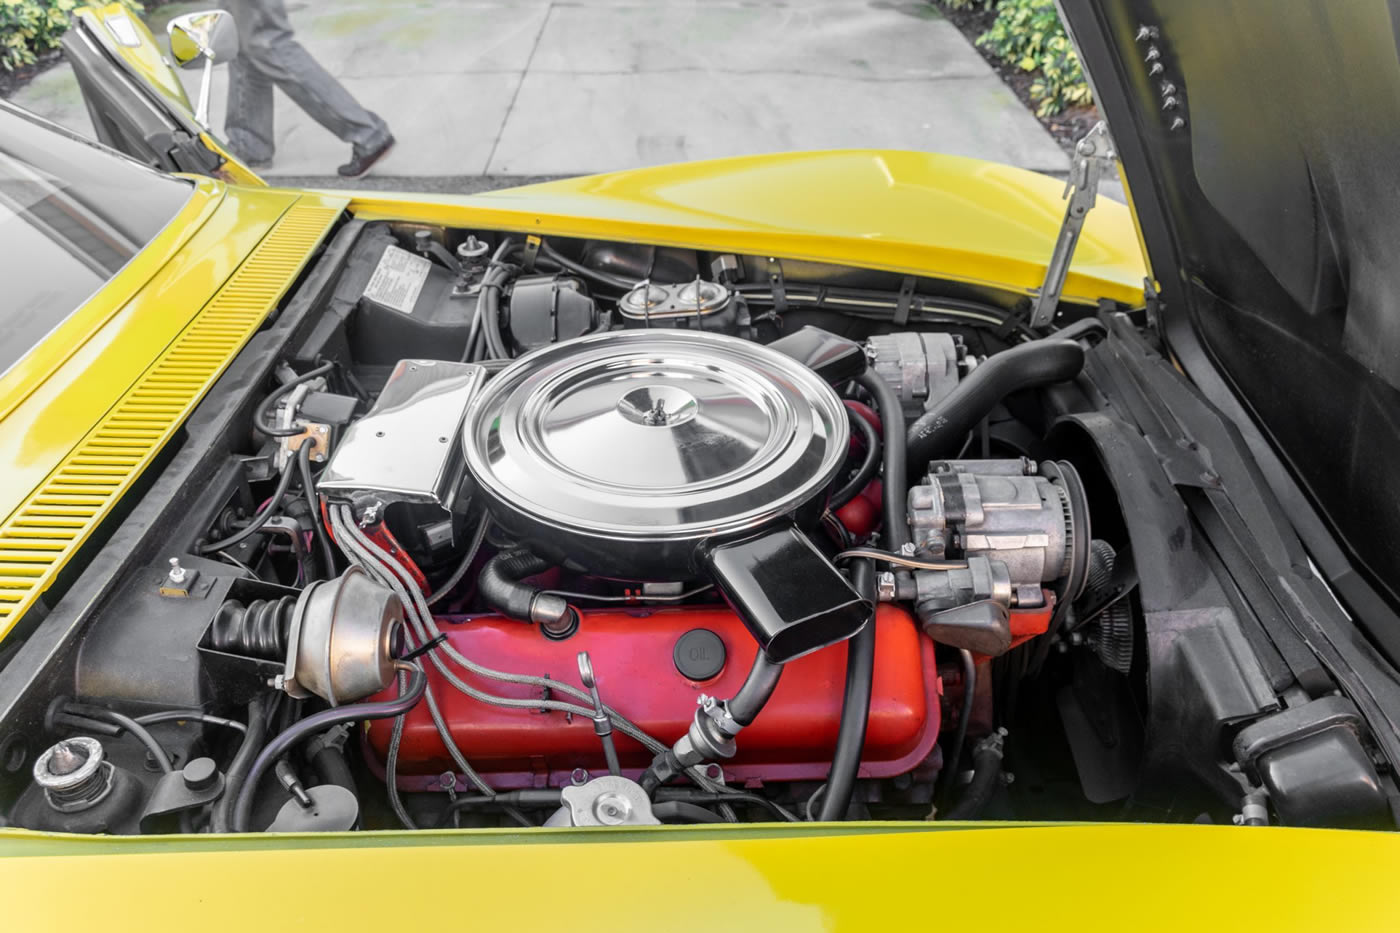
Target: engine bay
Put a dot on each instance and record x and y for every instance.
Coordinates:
(526, 531)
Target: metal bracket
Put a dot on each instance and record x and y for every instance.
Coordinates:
(1092, 155)
(775, 281)
(1151, 301)
(529, 253)
(904, 302)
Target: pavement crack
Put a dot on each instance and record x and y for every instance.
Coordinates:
(510, 107)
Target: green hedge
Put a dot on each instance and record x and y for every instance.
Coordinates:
(1029, 35)
(29, 27)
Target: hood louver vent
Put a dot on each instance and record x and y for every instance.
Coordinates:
(40, 536)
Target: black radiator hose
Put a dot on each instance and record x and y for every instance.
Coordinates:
(331, 767)
(860, 651)
(242, 762)
(940, 431)
(855, 708)
(895, 480)
(499, 584)
(986, 774)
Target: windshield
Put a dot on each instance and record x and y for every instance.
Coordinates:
(71, 215)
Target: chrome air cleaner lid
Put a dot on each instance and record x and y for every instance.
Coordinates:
(651, 436)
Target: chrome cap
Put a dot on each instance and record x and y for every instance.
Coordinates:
(655, 435)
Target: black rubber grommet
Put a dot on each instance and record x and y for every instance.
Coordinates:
(699, 654)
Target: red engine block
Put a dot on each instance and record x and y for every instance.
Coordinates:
(631, 651)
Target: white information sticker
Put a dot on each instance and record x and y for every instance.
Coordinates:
(122, 30)
(398, 279)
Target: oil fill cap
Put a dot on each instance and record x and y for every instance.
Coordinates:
(699, 654)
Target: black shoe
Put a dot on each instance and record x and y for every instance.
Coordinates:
(359, 164)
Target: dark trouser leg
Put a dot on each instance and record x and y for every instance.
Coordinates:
(248, 125)
(268, 46)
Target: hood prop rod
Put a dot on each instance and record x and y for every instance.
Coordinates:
(1093, 154)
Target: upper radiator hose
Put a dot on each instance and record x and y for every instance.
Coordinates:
(940, 431)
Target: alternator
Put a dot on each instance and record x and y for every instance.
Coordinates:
(921, 368)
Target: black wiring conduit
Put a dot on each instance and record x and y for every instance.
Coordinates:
(263, 412)
(318, 527)
(259, 519)
(489, 301)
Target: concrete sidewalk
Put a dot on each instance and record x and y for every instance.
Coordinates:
(563, 88)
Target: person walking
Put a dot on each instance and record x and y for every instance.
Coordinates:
(270, 55)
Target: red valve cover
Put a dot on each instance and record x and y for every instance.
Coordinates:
(631, 651)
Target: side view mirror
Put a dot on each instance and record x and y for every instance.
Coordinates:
(211, 35)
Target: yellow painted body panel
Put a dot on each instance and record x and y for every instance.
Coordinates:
(912, 212)
(145, 59)
(827, 878)
(85, 412)
(231, 170)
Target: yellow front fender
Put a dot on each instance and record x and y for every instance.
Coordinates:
(831, 877)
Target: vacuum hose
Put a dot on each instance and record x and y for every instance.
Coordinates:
(320, 722)
(939, 431)
(757, 688)
(499, 584)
